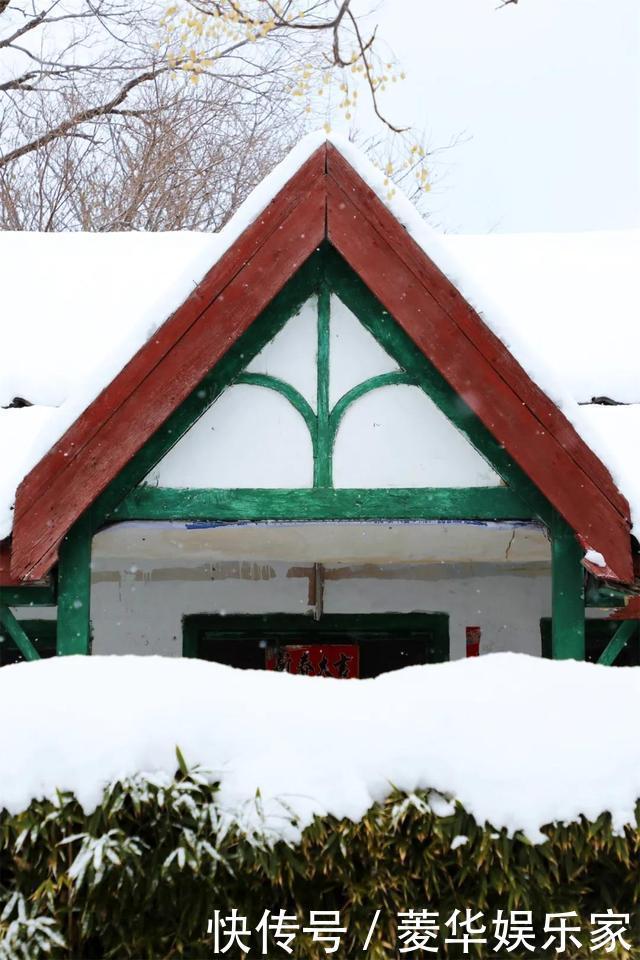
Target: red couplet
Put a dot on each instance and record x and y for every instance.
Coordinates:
(473, 641)
(339, 660)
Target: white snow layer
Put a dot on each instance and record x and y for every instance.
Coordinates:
(76, 307)
(322, 746)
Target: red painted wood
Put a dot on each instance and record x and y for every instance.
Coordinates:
(6, 579)
(471, 324)
(41, 524)
(602, 573)
(631, 611)
(151, 353)
(606, 573)
(537, 451)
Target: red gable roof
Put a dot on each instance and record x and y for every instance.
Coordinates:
(326, 198)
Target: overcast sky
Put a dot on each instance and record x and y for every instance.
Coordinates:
(548, 93)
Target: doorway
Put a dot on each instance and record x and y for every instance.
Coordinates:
(338, 645)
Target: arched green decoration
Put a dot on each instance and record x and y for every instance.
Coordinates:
(323, 426)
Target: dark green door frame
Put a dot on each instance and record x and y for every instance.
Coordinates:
(606, 640)
(303, 628)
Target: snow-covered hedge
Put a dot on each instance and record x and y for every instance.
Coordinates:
(144, 874)
(499, 783)
(519, 741)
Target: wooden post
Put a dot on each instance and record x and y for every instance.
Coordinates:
(567, 575)
(17, 634)
(74, 589)
(618, 642)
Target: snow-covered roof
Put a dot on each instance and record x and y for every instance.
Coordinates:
(526, 778)
(76, 307)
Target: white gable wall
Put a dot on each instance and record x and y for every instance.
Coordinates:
(291, 355)
(394, 436)
(397, 437)
(354, 354)
(250, 437)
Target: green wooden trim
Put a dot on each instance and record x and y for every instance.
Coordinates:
(450, 503)
(600, 594)
(74, 589)
(285, 389)
(28, 596)
(618, 642)
(599, 633)
(41, 633)
(191, 628)
(284, 306)
(322, 463)
(364, 625)
(567, 593)
(17, 634)
(361, 390)
(370, 312)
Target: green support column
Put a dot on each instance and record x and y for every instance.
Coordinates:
(74, 589)
(567, 574)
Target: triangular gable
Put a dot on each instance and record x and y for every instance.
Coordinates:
(325, 200)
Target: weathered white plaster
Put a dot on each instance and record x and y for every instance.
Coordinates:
(250, 437)
(141, 611)
(329, 542)
(140, 595)
(291, 355)
(354, 354)
(397, 437)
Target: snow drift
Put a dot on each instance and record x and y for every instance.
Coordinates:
(520, 742)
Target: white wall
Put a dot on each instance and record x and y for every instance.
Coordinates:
(138, 607)
(147, 576)
(141, 613)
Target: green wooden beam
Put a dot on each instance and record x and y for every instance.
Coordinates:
(618, 642)
(567, 601)
(17, 634)
(74, 589)
(28, 596)
(322, 473)
(476, 503)
(600, 594)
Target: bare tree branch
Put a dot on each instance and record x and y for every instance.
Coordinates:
(83, 116)
(111, 120)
